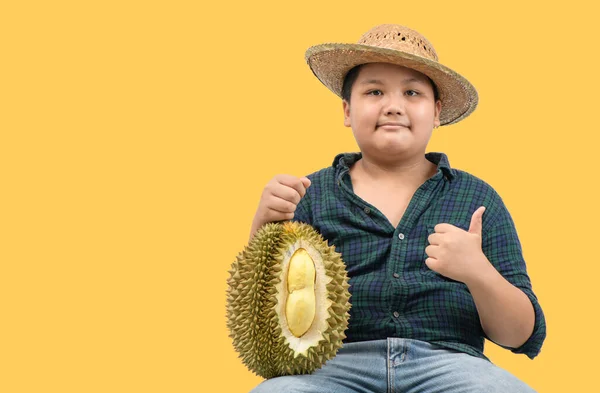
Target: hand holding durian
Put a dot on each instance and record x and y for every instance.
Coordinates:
(287, 295)
(279, 200)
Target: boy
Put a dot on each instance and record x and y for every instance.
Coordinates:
(434, 260)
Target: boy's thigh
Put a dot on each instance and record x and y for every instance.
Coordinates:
(298, 384)
(455, 372)
(358, 367)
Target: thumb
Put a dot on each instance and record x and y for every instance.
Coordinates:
(305, 181)
(477, 221)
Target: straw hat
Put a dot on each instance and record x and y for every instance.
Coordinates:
(397, 45)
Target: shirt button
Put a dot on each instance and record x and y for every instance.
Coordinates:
(396, 275)
(367, 210)
(401, 236)
(396, 314)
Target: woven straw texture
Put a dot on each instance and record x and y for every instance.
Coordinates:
(397, 45)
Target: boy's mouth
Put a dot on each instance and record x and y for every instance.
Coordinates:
(391, 126)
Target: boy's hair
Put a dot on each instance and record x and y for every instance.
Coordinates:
(351, 76)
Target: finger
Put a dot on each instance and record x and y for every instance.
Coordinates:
(443, 228)
(293, 182)
(434, 238)
(280, 205)
(431, 251)
(274, 215)
(278, 210)
(286, 193)
(431, 263)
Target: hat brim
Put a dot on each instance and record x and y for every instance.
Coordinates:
(331, 62)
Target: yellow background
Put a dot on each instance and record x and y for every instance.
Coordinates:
(136, 138)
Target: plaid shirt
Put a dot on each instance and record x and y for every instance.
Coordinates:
(393, 292)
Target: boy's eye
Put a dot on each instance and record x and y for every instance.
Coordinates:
(410, 93)
(375, 92)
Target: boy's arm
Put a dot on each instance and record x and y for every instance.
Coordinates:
(506, 313)
(509, 311)
(488, 259)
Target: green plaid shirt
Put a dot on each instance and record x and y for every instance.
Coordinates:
(394, 293)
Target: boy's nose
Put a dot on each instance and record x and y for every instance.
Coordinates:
(393, 106)
(394, 111)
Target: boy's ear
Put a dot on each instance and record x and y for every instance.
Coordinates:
(346, 106)
(438, 110)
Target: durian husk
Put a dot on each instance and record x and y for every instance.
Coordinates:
(256, 302)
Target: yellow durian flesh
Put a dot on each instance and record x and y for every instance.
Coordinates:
(301, 303)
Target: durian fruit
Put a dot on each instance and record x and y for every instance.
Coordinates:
(287, 301)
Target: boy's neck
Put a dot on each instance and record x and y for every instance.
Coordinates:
(410, 172)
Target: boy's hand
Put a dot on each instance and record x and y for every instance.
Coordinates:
(279, 200)
(456, 253)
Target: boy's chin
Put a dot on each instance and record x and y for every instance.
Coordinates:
(390, 150)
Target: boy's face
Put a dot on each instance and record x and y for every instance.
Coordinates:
(392, 110)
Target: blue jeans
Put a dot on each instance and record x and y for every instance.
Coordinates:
(399, 365)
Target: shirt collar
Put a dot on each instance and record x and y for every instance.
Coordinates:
(344, 161)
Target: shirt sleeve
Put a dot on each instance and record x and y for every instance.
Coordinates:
(502, 247)
(303, 209)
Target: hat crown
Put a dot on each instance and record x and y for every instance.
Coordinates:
(399, 38)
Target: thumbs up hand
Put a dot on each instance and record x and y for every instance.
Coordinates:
(456, 253)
